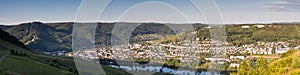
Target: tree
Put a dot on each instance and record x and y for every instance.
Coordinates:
(295, 62)
(71, 69)
(225, 66)
(262, 66)
(273, 51)
(12, 51)
(244, 68)
(17, 53)
(160, 70)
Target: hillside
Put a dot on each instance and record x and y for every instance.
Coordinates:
(288, 64)
(18, 60)
(9, 38)
(269, 32)
(15, 60)
(41, 37)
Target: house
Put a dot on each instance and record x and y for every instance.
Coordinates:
(60, 53)
(245, 27)
(69, 54)
(197, 39)
(260, 26)
(237, 57)
(297, 47)
(283, 50)
(34, 38)
(219, 60)
(208, 27)
(234, 65)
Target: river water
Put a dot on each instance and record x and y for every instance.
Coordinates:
(153, 69)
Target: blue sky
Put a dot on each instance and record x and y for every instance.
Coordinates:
(232, 11)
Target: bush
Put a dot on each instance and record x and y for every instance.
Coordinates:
(295, 72)
(296, 62)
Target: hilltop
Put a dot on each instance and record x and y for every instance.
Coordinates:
(49, 37)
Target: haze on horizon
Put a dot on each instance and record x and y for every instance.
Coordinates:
(232, 11)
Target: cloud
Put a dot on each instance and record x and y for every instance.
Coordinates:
(6, 21)
(2, 19)
(285, 5)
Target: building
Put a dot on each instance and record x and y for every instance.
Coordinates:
(245, 27)
(237, 57)
(283, 50)
(234, 65)
(219, 60)
(297, 47)
(260, 26)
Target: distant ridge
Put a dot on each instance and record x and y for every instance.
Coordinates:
(41, 37)
(68, 22)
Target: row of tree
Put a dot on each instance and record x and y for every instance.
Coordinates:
(18, 53)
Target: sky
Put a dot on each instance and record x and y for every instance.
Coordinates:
(168, 11)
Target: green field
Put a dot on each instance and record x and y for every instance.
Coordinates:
(39, 64)
(27, 66)
(3, 51)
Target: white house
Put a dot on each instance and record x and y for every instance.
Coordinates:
(245, 27)
(297, 47)
(219, 60)
(283, 50)
(260, 26)
(208, 27)
(197, 39)
(237, 57)
(234, 65)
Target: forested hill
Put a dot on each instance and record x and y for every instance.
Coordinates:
(9, 38)
(287, 64)
(16, 60)
(41, 37)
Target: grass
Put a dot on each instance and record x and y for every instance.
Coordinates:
(170, 38)
(88, 68)
(27, 66)
(266, 56)
(8, 46)
(40, 64)
(286, 65)
(3, 51)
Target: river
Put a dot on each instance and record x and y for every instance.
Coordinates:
(153, 69)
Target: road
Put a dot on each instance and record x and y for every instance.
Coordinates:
(3, 57)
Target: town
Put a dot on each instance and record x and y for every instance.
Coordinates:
(188, 52)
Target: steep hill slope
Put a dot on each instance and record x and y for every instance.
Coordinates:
(9, 38)
(288, 64)
(15, 60)
(40, 37)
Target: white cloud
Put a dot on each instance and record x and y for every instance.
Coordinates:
(285, 5)
(4, 21)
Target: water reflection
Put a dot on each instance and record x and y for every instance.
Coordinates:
(169, 70)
